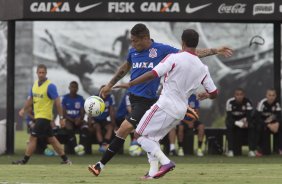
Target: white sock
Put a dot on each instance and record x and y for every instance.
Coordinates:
(172, 147)
(101, 165)
(154, 164)
(153, 148)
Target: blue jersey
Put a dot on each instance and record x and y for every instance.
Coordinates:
(122, 109)
(193, 102)
(145, 61)
(72, 106)
(109, 101)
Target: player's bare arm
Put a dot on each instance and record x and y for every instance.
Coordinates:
(224, 51)
(60, 111)
(26, 107)
(205, 95)
(122, 71)
(143, 78)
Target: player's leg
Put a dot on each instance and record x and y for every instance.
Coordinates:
(59, 149)
(201, 133)
(172, 139)
(29, 150)
(71, 139)
(230, 137)
(139, 106)
(180, 138)
(154, 125)
(154, 167)
(115, 145)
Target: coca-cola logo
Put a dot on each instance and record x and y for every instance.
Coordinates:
(237, 8)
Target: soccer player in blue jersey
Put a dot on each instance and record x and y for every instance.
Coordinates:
(102, 121)
(73, 112)
(144, 55)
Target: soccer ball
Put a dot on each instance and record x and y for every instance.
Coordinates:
(94, 106)
(135, 150)
(79, 150)
(49, 152)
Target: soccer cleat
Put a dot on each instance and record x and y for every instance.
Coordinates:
(95, 169)
(229, 153)
(200, 153)
(252, 154)
(67, 162)
(146, 177)
(180, 152)
(19, 162)
(280, 151)
(164, 169)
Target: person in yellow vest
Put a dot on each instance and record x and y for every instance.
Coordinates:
(42, 97)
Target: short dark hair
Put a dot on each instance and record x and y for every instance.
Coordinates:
(41, 66)
(190, 38)
(140, 30)
(240, 89)
(73, 82)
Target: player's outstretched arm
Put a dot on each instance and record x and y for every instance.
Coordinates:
(224, 51)
(122, 71)
(143, 78)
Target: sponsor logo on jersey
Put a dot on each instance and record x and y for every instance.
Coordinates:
(190, 9)
(80, 9)
(143, 65)
(153, 53)
(121, 7)
(237, 8)
(73, 112)
(160, 7)
(267, 8)
(58, 7)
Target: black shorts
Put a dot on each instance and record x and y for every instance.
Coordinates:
(42, 128)
(139, 105)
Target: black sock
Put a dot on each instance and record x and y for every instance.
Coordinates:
(180, 144)
(200, 144)
(25, 159)
(64, 158)
(114, 147)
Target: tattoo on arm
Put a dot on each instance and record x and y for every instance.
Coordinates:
(205, 52)
(122, 71)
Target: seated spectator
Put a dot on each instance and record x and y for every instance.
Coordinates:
(239, 116)
(106, 121)
(73, 113)
(192, 122)
(268, 119)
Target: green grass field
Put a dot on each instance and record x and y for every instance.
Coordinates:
(127, 170)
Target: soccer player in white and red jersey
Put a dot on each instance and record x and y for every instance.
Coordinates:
(183, 73)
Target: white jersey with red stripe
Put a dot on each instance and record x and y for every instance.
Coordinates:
(183, 73)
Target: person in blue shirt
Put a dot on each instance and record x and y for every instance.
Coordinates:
(105, 121)
(144, 55)
(73, 112)
(43, 95)
(192, 122)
